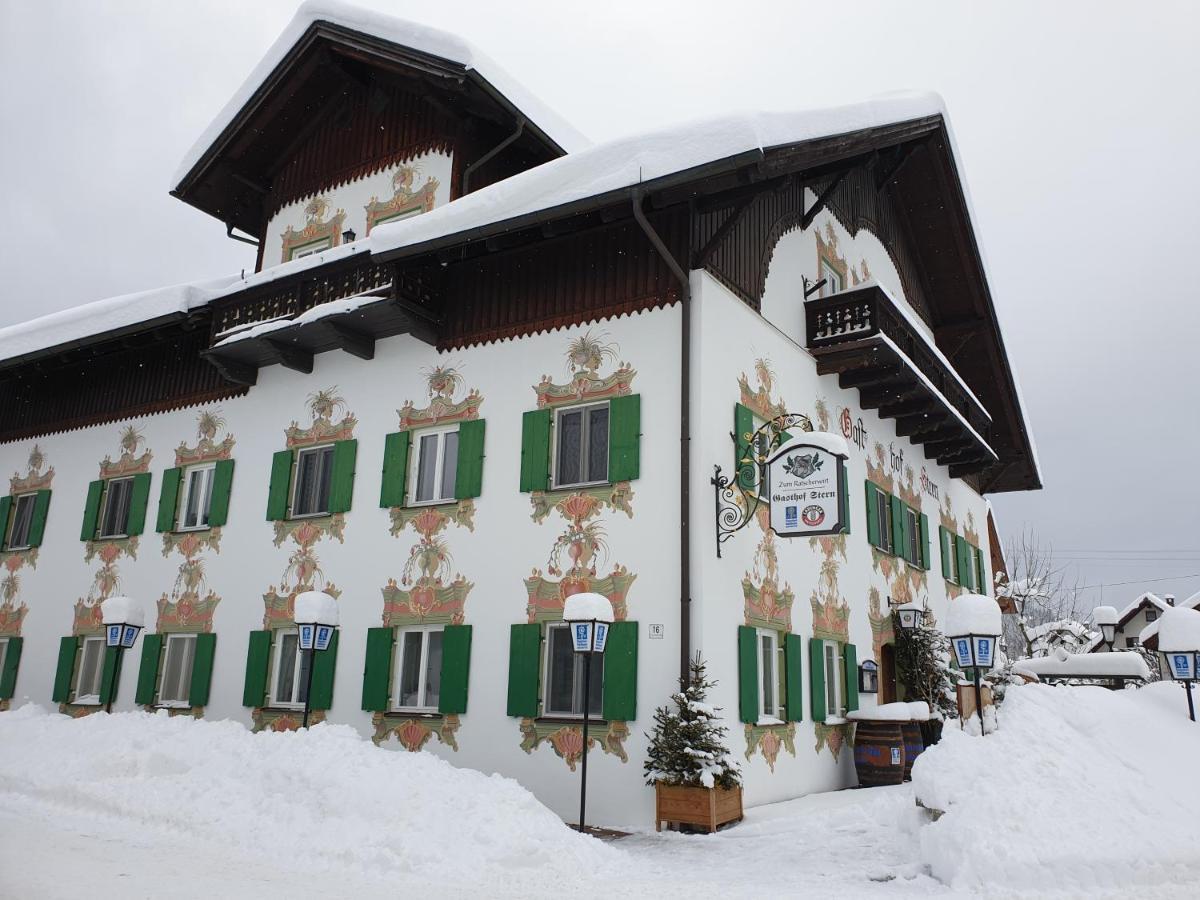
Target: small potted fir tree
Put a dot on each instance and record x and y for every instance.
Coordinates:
(695, 781)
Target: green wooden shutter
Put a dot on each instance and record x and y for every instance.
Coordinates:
(341, 488)
(924, 563)
(91, 512)
(395, 469)
(945, 547)
(324, 665)
(202, 669)
(168, 499)
(624, 436)
(899, 528)
(110, 678)
(747, 639)
(816, 678)
(620, 672)
(456, 669)
(468, 476)
(844, 480)
(850, 671)
(6, 504)
(792, 656)
(37, 525)
(965, 563)
(258, 658)
(377, 668)
(524, 663)
(139, 497)
(281, 485)
(68, 648)
(869, 491)
(981, 582)
(743, 465)
(218, 507)
(8, 675)
(148, 671)
(535, 450)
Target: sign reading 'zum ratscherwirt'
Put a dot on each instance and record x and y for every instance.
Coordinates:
(807, 486)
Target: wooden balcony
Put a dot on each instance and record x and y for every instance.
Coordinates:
(866, 339)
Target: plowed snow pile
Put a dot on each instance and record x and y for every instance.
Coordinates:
(1082, 791)
(328, 798)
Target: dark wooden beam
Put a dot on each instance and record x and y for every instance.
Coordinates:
(353, 341)
(290, 356)
(870, 375)
(735, 215)
(911, 426)
(908, 407)
(807, 219)
(959, 470)
(944, 445)
(232, 370)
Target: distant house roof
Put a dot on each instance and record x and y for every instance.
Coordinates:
(1150, 632)
(1143, 601)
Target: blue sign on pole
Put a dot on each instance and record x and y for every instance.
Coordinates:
(130, 636)
(324, 636)
(962, 650)
(582, 634)
(306, 637)
(114, 636)
(983, 652)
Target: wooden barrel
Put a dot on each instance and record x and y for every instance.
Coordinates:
(879, 753)
(914, 745)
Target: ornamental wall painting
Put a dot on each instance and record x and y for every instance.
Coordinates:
(430, 591)
(317, 232)
(831, 260)
(580, 551)
(905, 582)
(331, 421)
(405, 201)
(830, 622)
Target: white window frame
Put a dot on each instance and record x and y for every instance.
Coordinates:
(422, 672)
(438, 469)
(883, 511)
(206, 503)
(576, 675)
(833, 284)
(912, 518)
(296, 470)
(297, 673)
(90, 699)
(769, 669)
(108, 486)
(170, 640)
(833, 710)
(318, 246)
(585, 433)
(31, 499)
(397, 216)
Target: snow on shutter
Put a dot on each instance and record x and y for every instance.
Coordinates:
(281, 484)
(524, 658)
(258, 656)
(110, 677)
(747, 639)
(899, 528)
(37, 526)
(535, 450)
(68, 648)
(323, 666)
(743, 464)
(341, 486)
(870, 492)
(816, 678)
(620, 672)
(377, 668)
(202, 669)
(468, 475)
(6, 505)
(456, 668)
(924, 562)
(624, 436)
(794, 684)
(139, 498)
(395, 469)
(168, 500)
(850, 674)
(148, 671)
(218, 507)
(91, 512)
(8, 675)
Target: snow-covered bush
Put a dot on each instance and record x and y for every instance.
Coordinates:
(687, 745)
(923, 666)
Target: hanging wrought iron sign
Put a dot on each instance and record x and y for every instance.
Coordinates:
(800, 477)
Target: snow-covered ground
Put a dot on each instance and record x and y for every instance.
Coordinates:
(1082, 792)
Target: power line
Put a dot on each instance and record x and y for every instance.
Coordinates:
(1136, 581)
(1115, 550)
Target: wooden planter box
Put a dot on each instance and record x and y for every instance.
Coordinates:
(707, 808)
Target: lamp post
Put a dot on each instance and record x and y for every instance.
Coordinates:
(973, 627)
(123, 618)
(1179, 644)
(589, 616)
(316, 616)
(911, 614)
(1105, 617)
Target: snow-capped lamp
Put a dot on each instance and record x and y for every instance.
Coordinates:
(973, 627)
(1179, 644)
(911, 615)
(316, 617)
(589, 616)
(1105, 617)
(123, 619)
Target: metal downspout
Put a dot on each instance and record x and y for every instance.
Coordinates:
(466, 176)
(685, 438)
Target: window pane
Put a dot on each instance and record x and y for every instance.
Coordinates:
(562, 671)
(304, 501)
(766, 658)
(433, 669)
(177, 674)
(206, 497)
(598, 444)
(410, 668)
(21, 520)
(90, 668)
(885, 520)
(116, 508)
(570, 447)
(326, 454)
(191, 512)
(449, 464)
(426, 466)
(287, 668)
(831, 692)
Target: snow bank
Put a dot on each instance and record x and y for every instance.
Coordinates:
(1118, 664)
(122, 611)
(1179, 629)
(587, 605)
(1083, 791)
(324, 800)
(315, 606)
(973, 614)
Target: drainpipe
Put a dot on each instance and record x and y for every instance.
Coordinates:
(466, 176)
(685, 438)
(237, 237)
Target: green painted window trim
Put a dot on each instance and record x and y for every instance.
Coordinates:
(377, 669)
(258, 659)
(12, 661)
(619, 701)
(624, 438)
(168, 499)
(468, 473)
(816, 679)
(850, 675)
(147, 683)
(535, 450)
(793, 656)
(524, 670)
(747, 638)
(324, 666)
(203, 659)
(222, 487)
(456, 669)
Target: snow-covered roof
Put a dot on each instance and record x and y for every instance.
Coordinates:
(1118, 664)
(1143, 600)
(403, 33)
(1151, 630)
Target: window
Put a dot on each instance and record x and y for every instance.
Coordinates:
(115, 519)
(91, 670)
(1131, 642)
(1151, 615)
(912, 524)
(176, 680)
(18, 538)
(883, 512)
(949, 556)
(419, 676)
(289, 686)
(833, 281)
(564, 676)
(581, 455)
(314, 474)
(435, 466)
(770, 695)
(833, 680)
(197, 497)
(310, 248)
(396, 217)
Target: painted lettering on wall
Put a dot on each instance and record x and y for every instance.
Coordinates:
(927, 484)
(853, 431)
(896, 458)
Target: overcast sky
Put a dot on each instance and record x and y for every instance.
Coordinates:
(1078, 125)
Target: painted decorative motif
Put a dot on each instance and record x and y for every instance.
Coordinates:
(567, 740)
(12, 609)
(769, 739)
(882, 628)
(316, 229)
(830, 258)
(768, 605)
(759, 399)
(413, 733)
(405, 201)
(968, 530)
